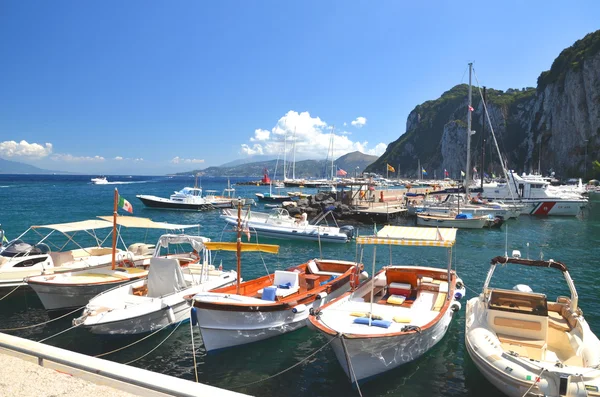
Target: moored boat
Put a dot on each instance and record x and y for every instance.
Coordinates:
(396, 316)
(527, 346)
(460, 221)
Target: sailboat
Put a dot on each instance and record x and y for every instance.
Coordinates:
(270, 305)
(396, 316)
(270, 197)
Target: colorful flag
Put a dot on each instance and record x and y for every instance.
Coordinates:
(446, 174)
(126, 205)
(390, 168)
(423, 171)
(462, 173)
(471, 109)
(341, 172)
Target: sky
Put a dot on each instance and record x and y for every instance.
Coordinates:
(151, 87)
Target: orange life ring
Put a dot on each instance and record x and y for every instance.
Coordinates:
(126, 263)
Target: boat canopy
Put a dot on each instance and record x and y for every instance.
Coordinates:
(221, 246)
(412, 236)
(68, 227)
(146, 223)
(197, 242)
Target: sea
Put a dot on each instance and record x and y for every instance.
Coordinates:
(294, 364)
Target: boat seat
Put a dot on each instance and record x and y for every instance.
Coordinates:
(314, 269)
(557, 321)
(520, 341)
(440, 300)
(534, 353)
(284, 278)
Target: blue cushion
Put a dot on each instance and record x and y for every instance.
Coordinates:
(328, 280)
(287, 285)
(269, 293)
(376, 323)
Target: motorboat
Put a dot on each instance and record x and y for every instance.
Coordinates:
(101, 180)
(75, 288)
(157, 301)
(188, 198)
(459, 221)
(397, 315)
(270, 305)
(279, 224)
(527, 346)
(435, 203)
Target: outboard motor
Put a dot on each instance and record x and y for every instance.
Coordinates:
(522, 288)
(348, 230)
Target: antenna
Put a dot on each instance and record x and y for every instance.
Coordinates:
(527, 250)
(506, 241)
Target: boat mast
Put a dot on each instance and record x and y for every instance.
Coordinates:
(331, 145)
(482, 146)
(114, 237)
(469, 107)
(284, 153)
(239, 245)
(294, 157)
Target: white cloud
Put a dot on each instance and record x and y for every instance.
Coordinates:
(118, 158)
(261, 135)
(179, 160)
(345, 124)
(76, 159)
(312, 136)
(24, 149)
(138, 159)
(359, 122)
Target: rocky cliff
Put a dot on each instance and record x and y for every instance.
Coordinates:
(555, 126)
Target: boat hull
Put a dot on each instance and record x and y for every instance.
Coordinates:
(224, 329)
(434, 221)
(296, 233)
(161, 203)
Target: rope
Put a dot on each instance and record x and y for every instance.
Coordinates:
(157, 346)
(193, 347)
(535, 382)
(349, 362)
(45, 322)
(133, 343)
(61, 332)
(287, 369)
(11, 292)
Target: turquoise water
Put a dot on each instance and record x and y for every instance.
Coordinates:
(444, 371)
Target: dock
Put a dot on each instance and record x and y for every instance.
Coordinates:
(30, 368)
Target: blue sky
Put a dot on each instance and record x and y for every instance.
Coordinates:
(139, 87)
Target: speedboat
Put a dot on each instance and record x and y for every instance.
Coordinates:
(188, 198)
(527, 346)
(279, 224)
(76, 287)
(146, 305)
(396, 316)
(101, 180)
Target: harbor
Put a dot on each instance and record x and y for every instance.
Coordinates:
(301, 361)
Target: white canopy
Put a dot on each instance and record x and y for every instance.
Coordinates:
(91, 224)
(145, 223)
(412, 235)
(197, 242)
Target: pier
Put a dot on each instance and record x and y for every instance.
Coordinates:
(34, 369)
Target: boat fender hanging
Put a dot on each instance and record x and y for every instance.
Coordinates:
(455, 306)
(170, 314)
(459, 284)
(458, 295)
(193, 317)
(363, 276)
(299, 309)
(321, 295)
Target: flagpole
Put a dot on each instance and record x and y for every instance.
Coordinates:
(114, 240)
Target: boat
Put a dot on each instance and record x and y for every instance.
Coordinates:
(397, 315)
(459, 221)
(527, 346)
(435, 203)
(188, 199)
(100, 180)
(75, 288)
(279, 224)
(30, 254)
(147, 305)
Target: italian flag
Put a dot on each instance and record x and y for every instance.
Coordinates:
(126, 205)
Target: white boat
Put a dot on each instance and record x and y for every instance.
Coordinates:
(20, 259)
(527, 346)
(146, 305)
(437, 204)
(101, 180)
(279, 224)
(460, 221)
(188, 198)
(396, 316)
(75, 288)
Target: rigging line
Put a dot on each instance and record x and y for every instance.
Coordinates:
(61, 332)
(133, 343)
(193, 347)
(350, 366)
(287, 369)
(157, 346)
(534, 382)
(44, 323)
(14, 289)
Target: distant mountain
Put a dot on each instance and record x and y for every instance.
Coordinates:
(354, 162)
(14, 167)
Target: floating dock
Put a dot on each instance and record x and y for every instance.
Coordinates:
(34, 369)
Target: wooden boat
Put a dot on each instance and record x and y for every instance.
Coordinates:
(527, 346)
(457, 221)
(396, 316)
(270, 305)
(158, 300)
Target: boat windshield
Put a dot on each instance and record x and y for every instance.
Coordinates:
(17, 248)
(190, 191)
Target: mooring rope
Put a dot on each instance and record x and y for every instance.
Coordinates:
(11, 292)
(157, 346)
(535, 382)
(133, 343)
(58, 333)
(44, 323)
(350, 367)
(287, 369)
(193, 347)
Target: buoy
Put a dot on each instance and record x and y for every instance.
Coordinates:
(299, 309)
(171, 314)
(321, 295)
(455, 306)
(193, 317)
